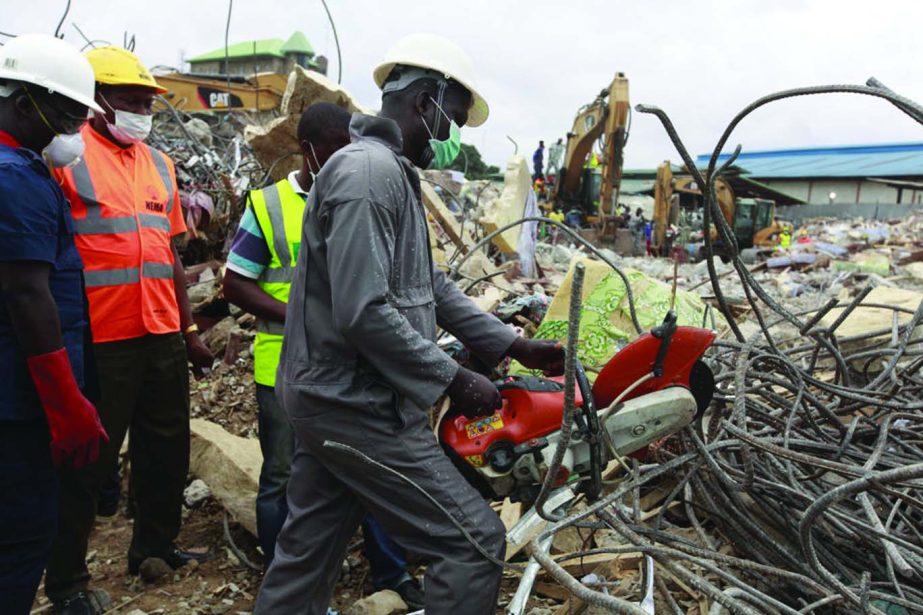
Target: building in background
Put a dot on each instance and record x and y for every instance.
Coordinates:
(248, 76)
(271, 55)
(851, 174)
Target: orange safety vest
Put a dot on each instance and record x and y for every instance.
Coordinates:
(126, 209)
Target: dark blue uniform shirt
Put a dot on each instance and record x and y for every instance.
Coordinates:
(36, 225)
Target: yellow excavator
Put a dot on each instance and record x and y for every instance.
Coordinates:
(594, 189)
(753, 221)
(203, 93)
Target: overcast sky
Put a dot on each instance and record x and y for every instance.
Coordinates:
(538, 61)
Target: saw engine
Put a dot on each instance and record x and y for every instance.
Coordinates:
(652, 388)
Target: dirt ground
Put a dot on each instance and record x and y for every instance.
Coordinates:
(221, 585)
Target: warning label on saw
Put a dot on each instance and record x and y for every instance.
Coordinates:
(482, 426)
(476, 460)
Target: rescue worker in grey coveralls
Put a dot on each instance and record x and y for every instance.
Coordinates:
(360, 365)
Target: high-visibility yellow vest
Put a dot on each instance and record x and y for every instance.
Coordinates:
(785, 238)
(279, 211)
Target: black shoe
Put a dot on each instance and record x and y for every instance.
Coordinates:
(411, 593)
(174, 559)
(93, 602)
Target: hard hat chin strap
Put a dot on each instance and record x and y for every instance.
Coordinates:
(439, 100)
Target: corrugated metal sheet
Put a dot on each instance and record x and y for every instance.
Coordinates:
(886, 160)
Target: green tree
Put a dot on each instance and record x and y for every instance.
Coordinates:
(477, 169)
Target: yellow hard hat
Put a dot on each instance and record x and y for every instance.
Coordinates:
(117, 66)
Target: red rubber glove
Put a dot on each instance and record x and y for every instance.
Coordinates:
(72, 419)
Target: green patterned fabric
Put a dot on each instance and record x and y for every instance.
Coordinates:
(605, 321)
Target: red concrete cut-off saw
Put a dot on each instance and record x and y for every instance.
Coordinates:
(653, 387)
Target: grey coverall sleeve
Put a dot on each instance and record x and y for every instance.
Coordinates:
(360, 250)
(486, 336)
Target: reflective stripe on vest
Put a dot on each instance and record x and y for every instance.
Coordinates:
(273, 202)
(279, 213)
(131, 275)
(95, 224)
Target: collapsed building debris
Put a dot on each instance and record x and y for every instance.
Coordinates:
(214, 167)
(275, 145)
(798, 491)
(230, 466)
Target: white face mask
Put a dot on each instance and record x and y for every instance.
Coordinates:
(129, 127)
(64, 150)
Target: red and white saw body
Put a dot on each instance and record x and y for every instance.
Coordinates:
(508, 453)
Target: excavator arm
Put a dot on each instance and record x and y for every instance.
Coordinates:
(615, 136)
(606, 116)
(588, 125)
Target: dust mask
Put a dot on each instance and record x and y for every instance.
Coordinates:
(64, 150)
(128, 127)
(444, 152)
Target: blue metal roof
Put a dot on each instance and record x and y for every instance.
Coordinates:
(884, 160)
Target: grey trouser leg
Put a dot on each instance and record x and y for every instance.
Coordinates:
(277, 442)
(329, 492)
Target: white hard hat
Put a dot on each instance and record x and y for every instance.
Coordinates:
(49, 63)
(439, 54)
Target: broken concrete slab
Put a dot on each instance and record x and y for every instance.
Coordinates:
(386, 602)
(915, 270)
(230, 466)
(866, 319)
(275, 144)
(306, 87)
(517, 183)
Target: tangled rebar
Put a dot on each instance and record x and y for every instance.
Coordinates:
(799, 491)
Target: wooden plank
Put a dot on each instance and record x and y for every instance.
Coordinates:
(551, 590)
(512, 549)
(581, 566)
(510, 512)
(446, 219)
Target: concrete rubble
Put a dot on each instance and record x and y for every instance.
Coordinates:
(384, 602)
(801, 285)
(760, 508)
(275, 144)
(230, 467)
(492, 280)
(509, 206)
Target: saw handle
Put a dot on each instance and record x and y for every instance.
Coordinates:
(664, 332)
(588, 421)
